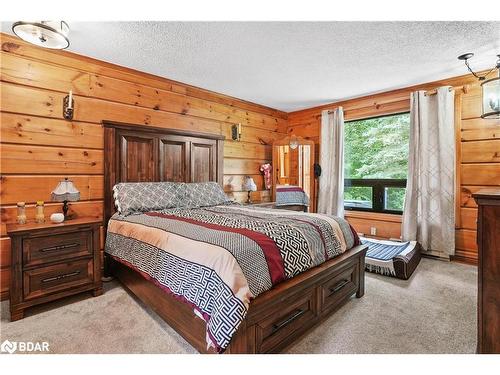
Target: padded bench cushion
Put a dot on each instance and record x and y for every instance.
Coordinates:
(392, 258)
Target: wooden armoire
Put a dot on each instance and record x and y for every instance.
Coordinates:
(488, 241)
(138, 153)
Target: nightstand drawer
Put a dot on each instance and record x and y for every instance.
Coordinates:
(53, 248)
(55, 278)
(339, 287)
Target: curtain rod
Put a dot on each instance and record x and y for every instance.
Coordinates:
(464, 89)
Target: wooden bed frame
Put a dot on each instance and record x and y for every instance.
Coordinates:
(276, 318)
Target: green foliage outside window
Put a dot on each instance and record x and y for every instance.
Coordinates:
(395, 199)
(377, 148)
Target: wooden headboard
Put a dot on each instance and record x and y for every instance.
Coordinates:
(136, 153)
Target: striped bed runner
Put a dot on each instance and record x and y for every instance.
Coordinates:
(381, 255)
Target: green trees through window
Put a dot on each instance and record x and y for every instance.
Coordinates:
(376, 163)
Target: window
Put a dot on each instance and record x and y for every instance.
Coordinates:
(376, 163)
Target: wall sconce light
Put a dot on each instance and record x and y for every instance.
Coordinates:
(236, 132)
(490, 88)
(68, 106)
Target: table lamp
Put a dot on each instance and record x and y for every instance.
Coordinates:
(65, 192)
(249, 186)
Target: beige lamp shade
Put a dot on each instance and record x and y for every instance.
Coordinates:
(65, 191)
(249, 184)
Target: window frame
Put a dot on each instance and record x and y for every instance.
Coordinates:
(378, 185)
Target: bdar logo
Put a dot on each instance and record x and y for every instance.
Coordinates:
(24, 346)
(8, 347)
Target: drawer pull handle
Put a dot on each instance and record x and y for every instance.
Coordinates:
(291, 318)
(60, 277)
(59, 247)
(339, 286)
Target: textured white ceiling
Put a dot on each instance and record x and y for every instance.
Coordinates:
(291, 65)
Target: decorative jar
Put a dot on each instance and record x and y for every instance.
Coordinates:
(21, 213)
(40, 216)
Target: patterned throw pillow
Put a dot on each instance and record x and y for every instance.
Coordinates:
(133, 197)
(203, 194)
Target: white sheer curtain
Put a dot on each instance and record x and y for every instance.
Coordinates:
(331, 181)
(429, 211)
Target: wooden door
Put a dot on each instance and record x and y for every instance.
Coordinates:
(137, 157)
(203, 160)
(174, 158)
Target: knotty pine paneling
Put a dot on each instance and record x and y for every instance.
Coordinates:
(466, 199)
(46, 103)
(30, 188)
(254, 135)
(387, 225)
(478, 141)
(48, 76)
(478, 129)
(247, 150)
(470, 109)
(33, 130)
(4, 282)
(14, 46)
(28, 159)
(481, 151)
(466, 243)
(481, 174)
(468, 218)
(235, 166)
(5, 251)
(39, 147)
(43, 75)
(149, 97)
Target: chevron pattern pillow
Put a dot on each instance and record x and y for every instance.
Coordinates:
(131, 197)
(203, 194)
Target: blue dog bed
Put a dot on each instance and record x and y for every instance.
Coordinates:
(391, 258)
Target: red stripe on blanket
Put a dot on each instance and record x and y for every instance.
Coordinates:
(357, 241)
(268, 246)
(282, 190)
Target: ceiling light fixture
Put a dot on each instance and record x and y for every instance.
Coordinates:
(48, 34)
(490, 88)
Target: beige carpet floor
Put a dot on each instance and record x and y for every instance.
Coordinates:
(433, 312)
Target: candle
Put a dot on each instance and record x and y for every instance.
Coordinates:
(70, 101)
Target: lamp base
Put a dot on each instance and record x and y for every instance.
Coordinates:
(249, 200)
(65, 209)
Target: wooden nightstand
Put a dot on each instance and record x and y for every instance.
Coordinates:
(51, 261)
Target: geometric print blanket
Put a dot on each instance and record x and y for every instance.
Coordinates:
(218, 258)
(290, 196)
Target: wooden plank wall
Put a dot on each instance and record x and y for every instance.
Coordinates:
(478, 153)
(39, 147)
